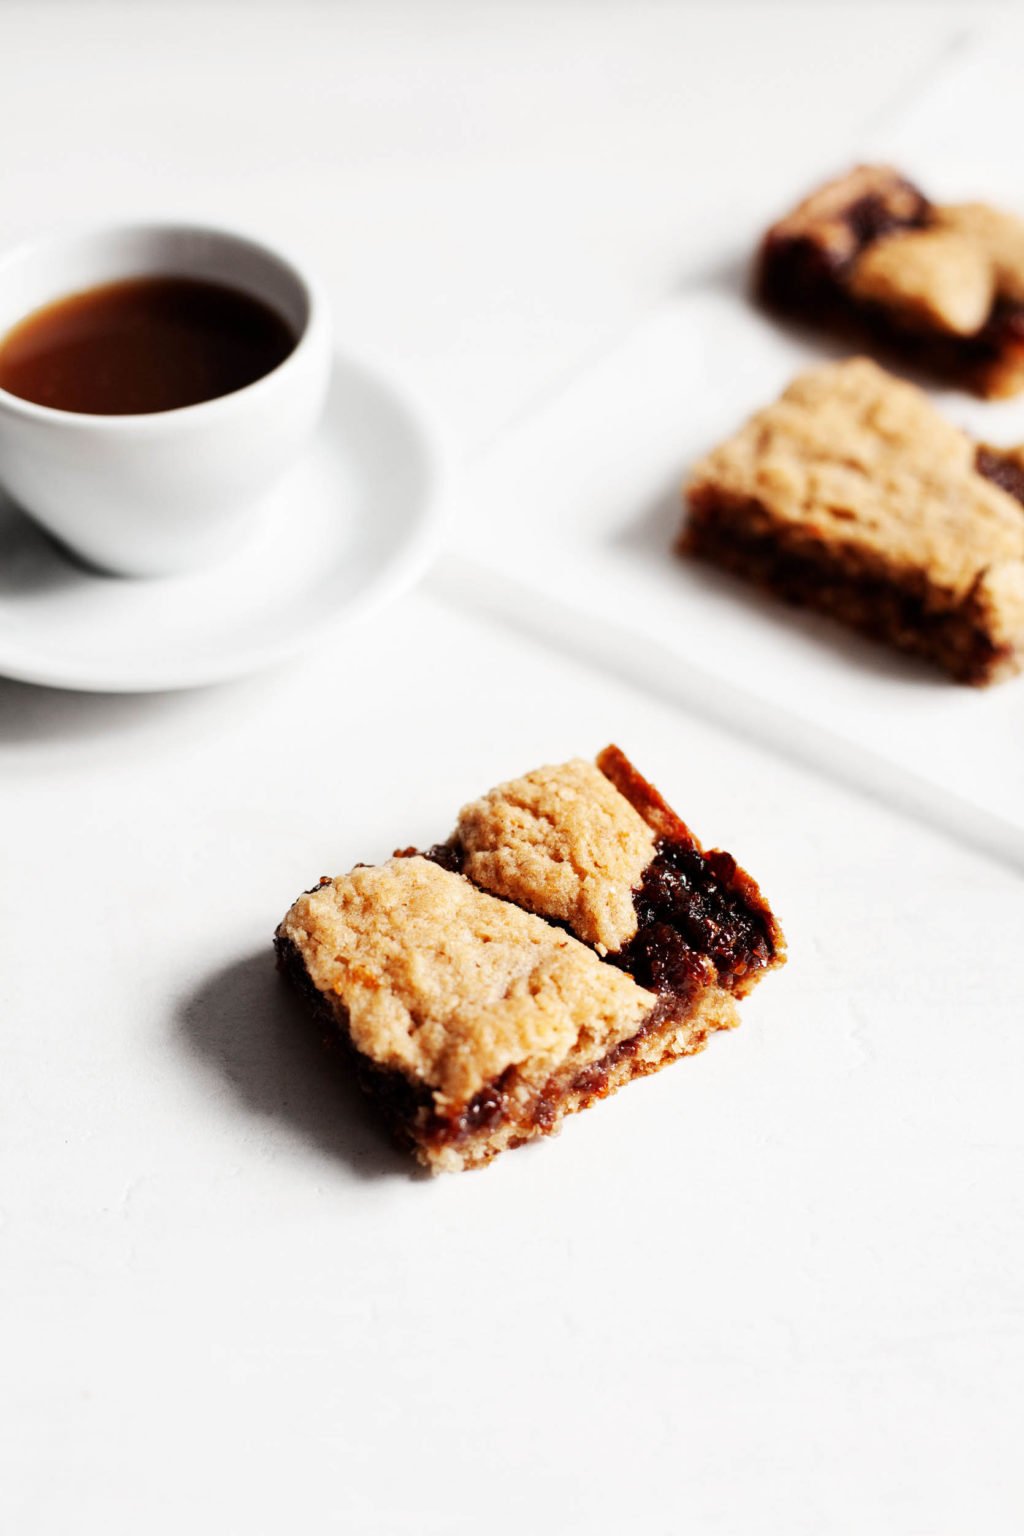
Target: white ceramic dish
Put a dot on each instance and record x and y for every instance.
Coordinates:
(594, 479)
(352, 524)
(153, 494)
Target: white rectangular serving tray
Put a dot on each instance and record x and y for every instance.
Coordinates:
(578, 509)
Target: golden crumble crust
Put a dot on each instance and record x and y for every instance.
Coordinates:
(851, 456)
(936, 276)
(563, 842)
(998, 601)
(451, 986)
(999, 235)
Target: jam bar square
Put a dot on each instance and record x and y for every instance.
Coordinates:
(478, 1022)
(939, 285)
(853, 496)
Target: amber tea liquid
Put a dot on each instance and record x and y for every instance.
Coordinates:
(142, 345)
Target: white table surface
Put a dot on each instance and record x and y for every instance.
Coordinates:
(775, 1290)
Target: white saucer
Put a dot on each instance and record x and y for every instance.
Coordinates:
(352, 525)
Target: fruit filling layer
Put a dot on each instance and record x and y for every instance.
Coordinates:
(687, 912)
(686, 909)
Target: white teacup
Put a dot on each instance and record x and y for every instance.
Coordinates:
(148, 495)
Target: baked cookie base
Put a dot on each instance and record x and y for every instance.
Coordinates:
(507, 1114)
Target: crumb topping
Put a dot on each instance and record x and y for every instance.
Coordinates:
(999, 235)
(936, 276)
(563, 842)
(452, 986)
(861, 204)
(998, 600)
(855, 457)
(936, 266)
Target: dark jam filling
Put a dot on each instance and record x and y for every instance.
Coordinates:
(873, 605)
(483, 1113)
(804, 274)
(687, 912)
(871, 217)
(686, 909)
(1003, 471)
(1002, 332)
(448, 855)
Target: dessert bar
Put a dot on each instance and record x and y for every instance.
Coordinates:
(940, 285)
(854, 496)
(570, 935)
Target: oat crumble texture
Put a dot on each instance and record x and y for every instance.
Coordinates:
(563, 842)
